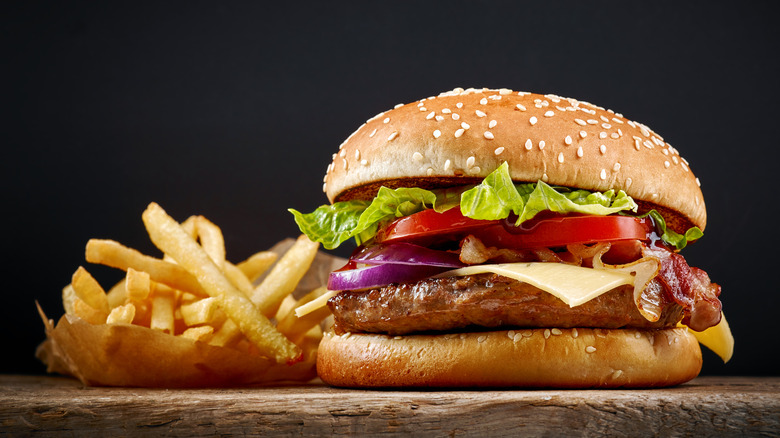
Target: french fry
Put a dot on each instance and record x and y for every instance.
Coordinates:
(294, 327)
(167, 235)
(198, 333)
(88, 313)
(163, 306)
(138, 285)
(257, 264)
(285, 276)
(123, 314)
(211, 240)
(117, 295)
(89, 290)
(288, 305)
(200, 312)
(68, 297)
(116, 255)
(237, 278)
(227, 336)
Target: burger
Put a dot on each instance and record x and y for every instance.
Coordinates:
(512, 239)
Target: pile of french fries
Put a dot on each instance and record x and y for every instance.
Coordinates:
(192, 296)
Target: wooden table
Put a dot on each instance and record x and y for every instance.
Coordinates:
(707, 406)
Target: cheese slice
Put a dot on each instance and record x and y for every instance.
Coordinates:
(574, 285)
(717, 338)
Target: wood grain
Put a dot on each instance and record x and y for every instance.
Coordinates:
(707, 406)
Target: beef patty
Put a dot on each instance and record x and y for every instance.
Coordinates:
(484, 300)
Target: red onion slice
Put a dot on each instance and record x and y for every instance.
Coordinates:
(380, 275)
(406, 254)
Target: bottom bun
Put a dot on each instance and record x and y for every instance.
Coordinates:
(559, 358)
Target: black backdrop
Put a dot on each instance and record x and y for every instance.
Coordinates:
(232, 110)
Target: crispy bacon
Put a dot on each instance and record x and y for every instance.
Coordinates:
(689, 287)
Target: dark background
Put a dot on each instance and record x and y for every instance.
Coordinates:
(232, 110)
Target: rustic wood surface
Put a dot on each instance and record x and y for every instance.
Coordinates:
(707, 406)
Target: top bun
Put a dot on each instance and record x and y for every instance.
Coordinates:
(460, 136)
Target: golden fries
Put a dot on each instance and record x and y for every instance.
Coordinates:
(114, 254)
(191, 294)
(167, 235)
(285, 275)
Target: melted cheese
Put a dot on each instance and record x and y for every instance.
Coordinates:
(573, 285)
(718, 339)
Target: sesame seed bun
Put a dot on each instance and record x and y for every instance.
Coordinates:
(567, 358)
(459, 137)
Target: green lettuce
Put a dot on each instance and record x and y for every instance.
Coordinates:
(671, 237)
(497, 197)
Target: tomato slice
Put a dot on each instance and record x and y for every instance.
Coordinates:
(544, 231)
(430, 224)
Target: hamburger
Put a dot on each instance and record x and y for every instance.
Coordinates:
(512, 239)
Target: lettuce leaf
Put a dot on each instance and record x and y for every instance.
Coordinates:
(497, 197)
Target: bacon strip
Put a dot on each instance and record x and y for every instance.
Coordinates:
(689, 287)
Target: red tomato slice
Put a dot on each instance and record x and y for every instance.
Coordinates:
(543, 231)
(429, 224)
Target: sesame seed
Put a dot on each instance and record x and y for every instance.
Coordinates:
(517, 337)
(357, 154)
(364, 162)
(532, 120)
(581, 122)
(593, 122)
(545, 177)
(439, 118)
(417, 156)
(675, 160)
(603, 118)
(436, 134)
(628, 182)
(616, 120)
(465, 125)
(667, 164)
(603, 174)
(392, 136)
(529, 144)
(617, 374)
(520, 107)
(549, 114)
(346, 335)
(488, 135)
(510, 334)
(616, 167)
(644, 131)
(583, 134)
(546, 333)
(459, 104)
(422, 102)
(590, 349)
(647, 144)
(665, 151)
(579, 152)
(492, 124)
(556, 331)
(479, 113)
(398, 106)
(422, 109)
(386, 120)
(455, 116)
(429, 171)
(398, 338)
(541, 144)
(372, 133)
(504, 91)
(459, 132)
(481, 338)
(603, 149)
(446, 111)
(614, 135)
(430, 115)
(342, 153)
(499, 150)
(637, 335)
(447, 165)
(483, 101)
(602, 135)
(632, 124)
(470, 161)
(574, 332)
(637, 143)
(567, 140)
